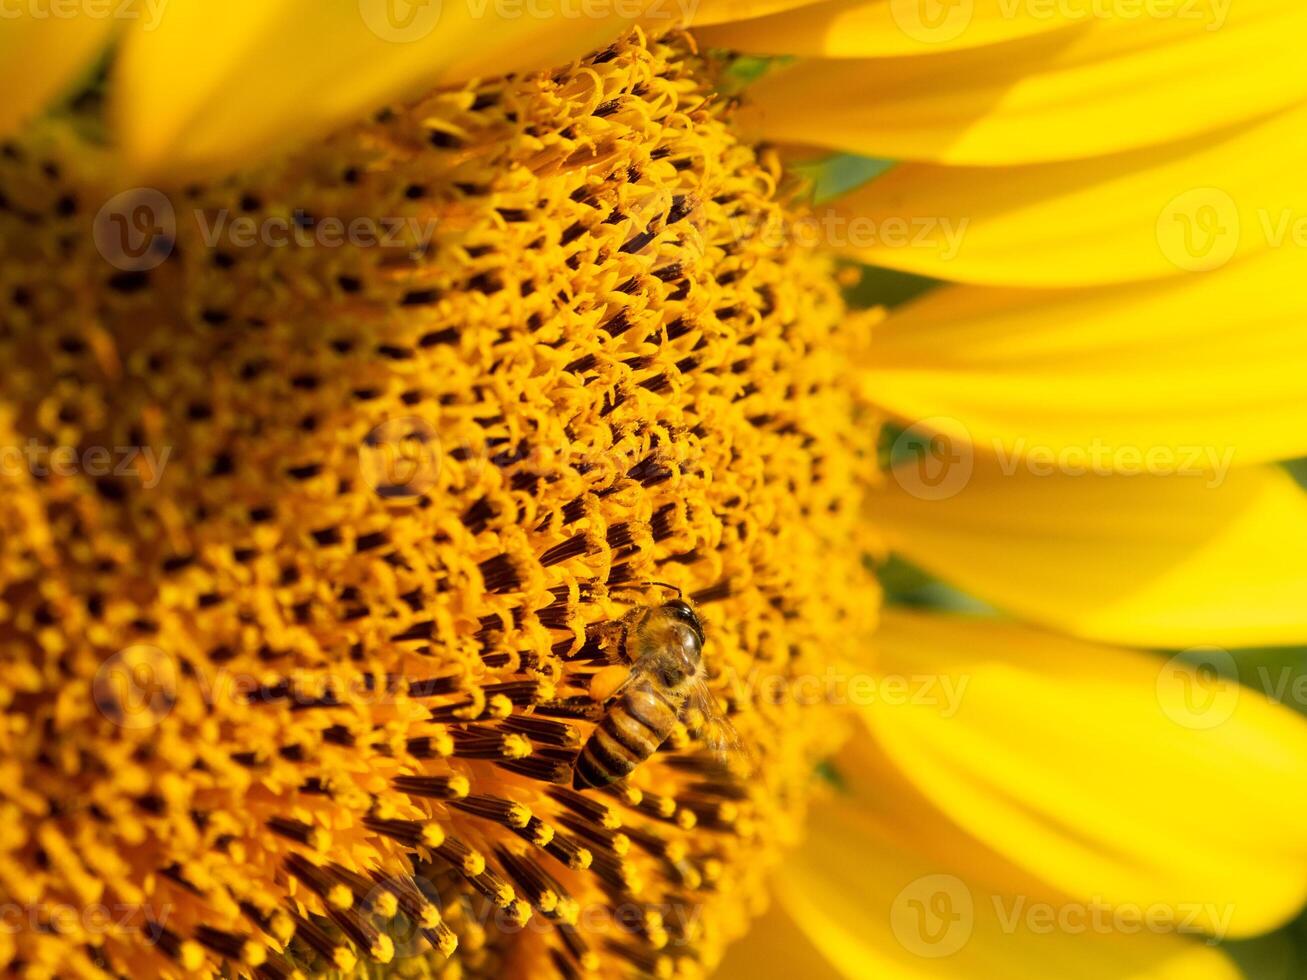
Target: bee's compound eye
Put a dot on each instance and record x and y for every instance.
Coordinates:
(682, 611)
(691, 647)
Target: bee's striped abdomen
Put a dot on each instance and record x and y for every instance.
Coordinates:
(628, 734)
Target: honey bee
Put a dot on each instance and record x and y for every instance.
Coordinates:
(664, 644)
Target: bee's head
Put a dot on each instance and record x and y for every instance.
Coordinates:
(681, 612)
(684, 642)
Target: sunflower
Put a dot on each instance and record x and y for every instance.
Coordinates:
(370, 362)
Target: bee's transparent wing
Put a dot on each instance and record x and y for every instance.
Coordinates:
(718, 734)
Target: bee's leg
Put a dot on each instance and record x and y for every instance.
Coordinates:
(620, 669)
(624, 634)
(608, 681)
(610, 639)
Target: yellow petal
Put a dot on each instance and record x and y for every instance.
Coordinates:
(40, 56)
(1185, 207)
(878, 908)
(775, 947)
(1146, 560)
(1107, 85)
(1202, 366)
(215, 85)
(1114, 775)
(700, 13)
(879, 28)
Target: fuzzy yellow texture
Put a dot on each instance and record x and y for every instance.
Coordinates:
(328, 660)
